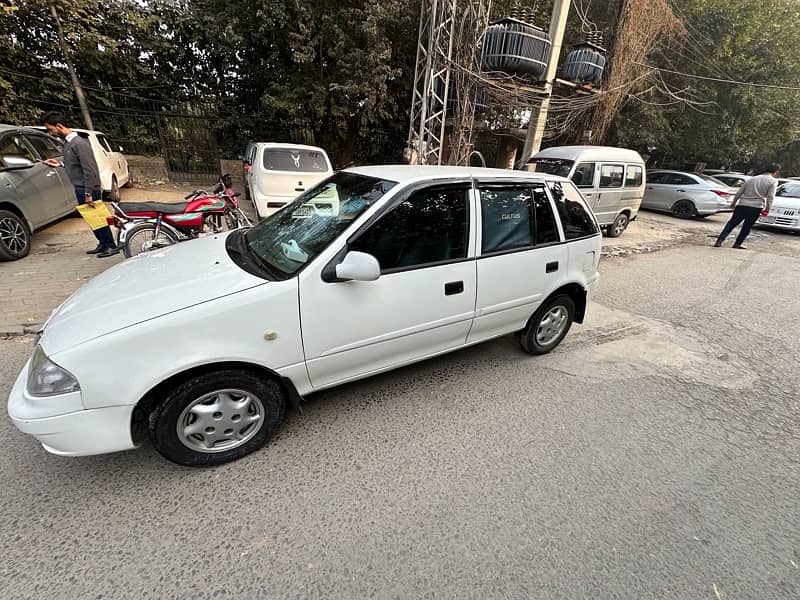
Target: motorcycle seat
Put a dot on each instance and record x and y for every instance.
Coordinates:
(164, 208)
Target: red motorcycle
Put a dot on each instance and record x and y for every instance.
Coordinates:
(146, 226)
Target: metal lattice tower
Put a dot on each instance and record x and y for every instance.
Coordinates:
(450, 32)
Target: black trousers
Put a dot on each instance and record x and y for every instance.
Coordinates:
(747, 215)
(105, 238)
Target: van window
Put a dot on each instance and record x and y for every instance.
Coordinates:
(553, 166)
(611, 176)
(575, 218)
(584, 175)
(633, 176)
(302, 161)
(431, 226)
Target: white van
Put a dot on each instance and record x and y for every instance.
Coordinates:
(611, 179)
(216, 338)
(278, 173)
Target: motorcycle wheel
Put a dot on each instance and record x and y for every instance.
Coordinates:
(141, 236)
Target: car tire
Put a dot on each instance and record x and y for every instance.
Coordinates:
(15, 236)
(618, 227)
(221, 437)
(113, 193)
(684, 209)
(548, 325)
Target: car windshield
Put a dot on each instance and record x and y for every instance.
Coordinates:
(302, 161)
(790, 190)
(295, 235)
(553, 166)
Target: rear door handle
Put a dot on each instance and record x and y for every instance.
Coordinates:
(551, 267)
(681, 191)
(454, 287)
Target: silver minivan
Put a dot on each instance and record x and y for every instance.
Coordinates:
(611, 179)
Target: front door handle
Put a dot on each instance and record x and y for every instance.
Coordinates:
(681, 191)
(551, 267)
(454, 287)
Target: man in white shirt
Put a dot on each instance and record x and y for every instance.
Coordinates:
(754, 197)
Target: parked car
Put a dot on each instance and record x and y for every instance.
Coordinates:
(611, 180)
(734, 180)
(247, 162)
(111, 162)
(278, 173)
(785, 210)
(32, 194)
(686, 195)
(214, 339)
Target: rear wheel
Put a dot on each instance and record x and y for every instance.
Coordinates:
(618, 227)
(15, 236)
(684, 209)
(217, 417)
(113, 194)
(548, 326)
(142, 238)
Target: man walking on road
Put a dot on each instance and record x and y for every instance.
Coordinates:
(81, 168)
(754, 197)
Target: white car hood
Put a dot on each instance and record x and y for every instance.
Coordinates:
(145, 287)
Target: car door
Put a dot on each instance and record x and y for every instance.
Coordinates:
(49, 147)
(114, 157)
(609, 192)
(657, 193)
(521, 257)
(678, 187)
(35, 190)
(423, 303)
(584, 176)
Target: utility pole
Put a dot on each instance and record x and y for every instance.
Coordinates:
(536, 126)
(73, 75)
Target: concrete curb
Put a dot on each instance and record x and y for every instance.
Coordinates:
(8, 330)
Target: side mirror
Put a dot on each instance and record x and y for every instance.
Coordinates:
(12, 163)
(358, 266)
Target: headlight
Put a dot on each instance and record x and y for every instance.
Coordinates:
(46, 378)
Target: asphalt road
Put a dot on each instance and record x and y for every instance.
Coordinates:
(655, 454)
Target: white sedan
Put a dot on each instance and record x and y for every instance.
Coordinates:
(785, 210)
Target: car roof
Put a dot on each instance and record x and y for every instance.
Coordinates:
(288, 146)
(5, 127)
(590, 153)
(405, 173)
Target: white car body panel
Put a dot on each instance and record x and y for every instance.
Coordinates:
(163, 313)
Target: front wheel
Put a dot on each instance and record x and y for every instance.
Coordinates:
(142, 238)
(619, 226)
(684, 209)
(548, 326)
(217, 417)
(15, 236)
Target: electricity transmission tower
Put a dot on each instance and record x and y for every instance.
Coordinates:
(450, 32)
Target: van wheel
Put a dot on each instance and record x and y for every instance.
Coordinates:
(15, 236)
(619, 226)
(684, 209)
(548, 325)
(217, 417)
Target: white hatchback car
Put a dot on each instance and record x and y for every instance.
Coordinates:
(278, 173)
(203, 345)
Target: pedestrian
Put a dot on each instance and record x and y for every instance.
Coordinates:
(753, 199)
(82, 171)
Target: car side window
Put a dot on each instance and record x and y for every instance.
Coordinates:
(611, 176)
(431, 226)
(678, 179)
(656, 177)
(104, 143)
(14, 146)
(575, 217)
(47, 147)
(507, 219)
(633, 176)
(584, 175)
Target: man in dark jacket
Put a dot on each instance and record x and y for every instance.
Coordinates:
(81, 168)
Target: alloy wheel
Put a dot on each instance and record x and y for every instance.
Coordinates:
(13, 235)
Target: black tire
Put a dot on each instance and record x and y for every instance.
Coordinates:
(113, 195)
(528, 338)
(684, 209)
(15, 236)
(618, 227)
(141, 231)
(164, 419)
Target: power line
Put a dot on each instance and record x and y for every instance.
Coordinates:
(718, 80)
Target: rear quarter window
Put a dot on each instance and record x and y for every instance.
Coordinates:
(576, 219)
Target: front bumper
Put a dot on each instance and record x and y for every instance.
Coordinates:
(779, 220)
(267, 205)
(78, 432)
